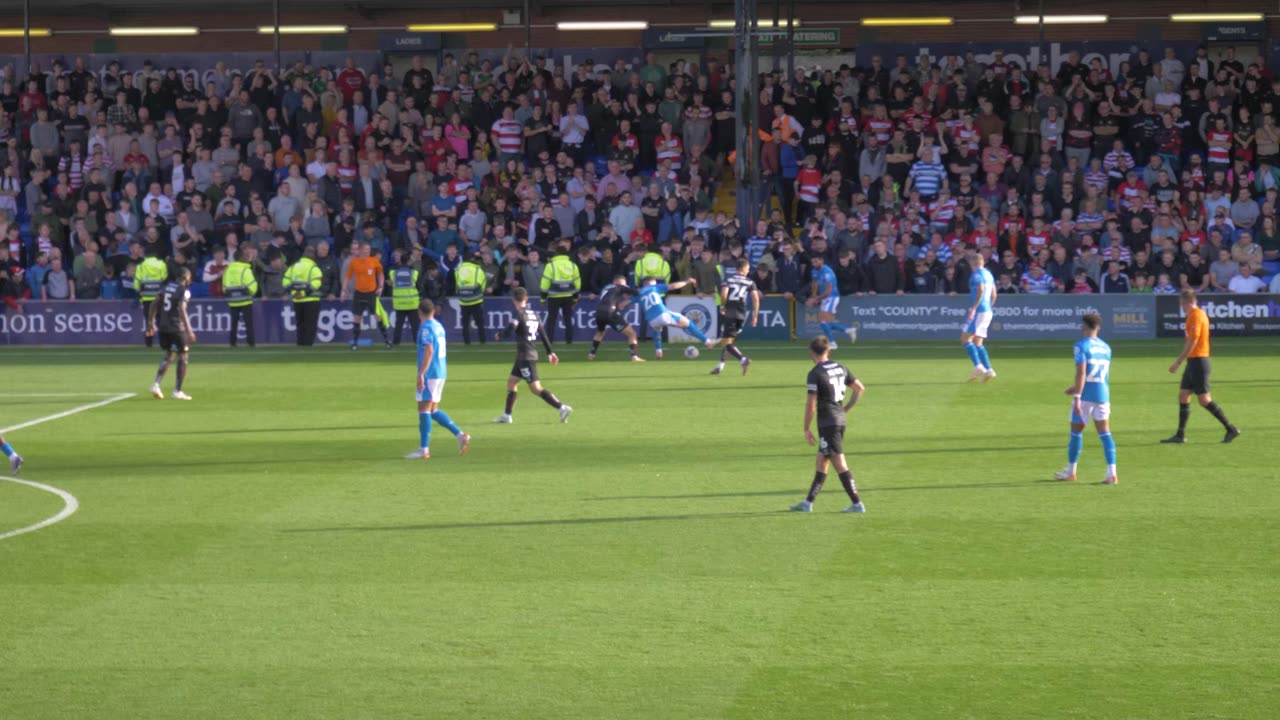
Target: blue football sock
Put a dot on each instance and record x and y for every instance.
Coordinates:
(983, 357)
(694, 331)
(838, 328)
(657, 342)
(7, 449)
(445, 422)
(424, 430)
(1108, 447)
(1074, 447)
(972, 350)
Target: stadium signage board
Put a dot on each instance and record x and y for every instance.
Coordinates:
(1239, 315)
(1233, 31)
(673, 39)
(803, 37)
(404, 42)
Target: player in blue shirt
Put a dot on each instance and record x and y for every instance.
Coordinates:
(432, 371)
(1091, 399)
(15, 460)
(658, 316)
(982, 297)
(825, 295)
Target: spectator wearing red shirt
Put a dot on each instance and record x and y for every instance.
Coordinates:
(350, 79)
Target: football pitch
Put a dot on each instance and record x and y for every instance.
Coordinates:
(265, 552)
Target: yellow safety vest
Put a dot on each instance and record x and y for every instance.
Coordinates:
(470, 283)
(404, 289)
(560, 278)
(239, 284)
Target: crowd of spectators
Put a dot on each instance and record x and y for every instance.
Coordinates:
(1161, 177)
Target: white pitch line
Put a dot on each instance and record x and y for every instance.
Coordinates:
(67, 413)
(57, 395)
(69, 507)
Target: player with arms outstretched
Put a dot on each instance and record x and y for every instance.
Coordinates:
(15, 460)
(167, 317)
(609, 315)
(432, 371)
(528, 330)
(734, 291)
(982, 296)
(1195, 377)
(833, 391)
(824, 294)
(658, 316)
(1091, 399)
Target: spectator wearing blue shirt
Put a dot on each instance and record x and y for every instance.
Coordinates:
(441, 238)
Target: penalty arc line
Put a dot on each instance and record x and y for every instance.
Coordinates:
(69, 507)
(68, 413)
(69, 502)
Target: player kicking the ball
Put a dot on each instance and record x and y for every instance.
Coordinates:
(658, 316)
(432, 371)
(609, 315)
(528, 331)
(829, 382)
(734, 292)
(982, 294)
(1091, 399)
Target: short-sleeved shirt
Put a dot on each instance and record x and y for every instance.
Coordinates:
(172, 299)
(825, 278)
(366, 272)
(1198, 331)
(828, 381)
(1095, 355)
(651, 301)
(740, 287)
(432, 334)
(528, 332)
(613, 298)
(981, 287)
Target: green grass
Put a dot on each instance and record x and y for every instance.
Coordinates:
(264, 551)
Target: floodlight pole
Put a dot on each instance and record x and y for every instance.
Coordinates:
(746, 170)
(26, 39)
(528, 30)
(791, 39)
(275, 34)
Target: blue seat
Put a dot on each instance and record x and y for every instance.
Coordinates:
(199, 289)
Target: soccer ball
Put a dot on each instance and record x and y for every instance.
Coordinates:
(691, 352)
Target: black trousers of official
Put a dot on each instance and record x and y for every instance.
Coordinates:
(308, 314)
(564, 307)
(237, 314)
(410, 317)
(473, 314)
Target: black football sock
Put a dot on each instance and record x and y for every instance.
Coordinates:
(846, 479)
(355, 330)
(511, 401)
(1217, 412)
(634, 349)
(164, 368)
(724, 351)
(818, 479)
(550, 398)
(595, 346)
(1184, 413)
(734, 351)
(182, 375)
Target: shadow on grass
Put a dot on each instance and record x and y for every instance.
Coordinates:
(539, 523)
(798, 490)
(256, 431)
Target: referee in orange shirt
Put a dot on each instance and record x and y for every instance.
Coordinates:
(1195, 377)
(364, 276)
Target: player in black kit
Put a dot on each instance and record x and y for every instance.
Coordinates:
(829, 385)
(609, 315)
(167, 317)
(734, 291)
(528, 331)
